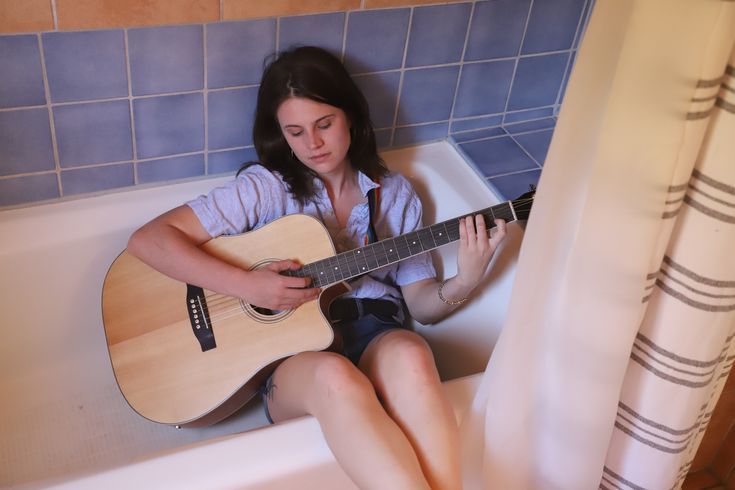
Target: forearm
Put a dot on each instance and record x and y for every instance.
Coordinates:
(425, 303)
(176, 254)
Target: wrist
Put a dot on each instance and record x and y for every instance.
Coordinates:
(451, 293)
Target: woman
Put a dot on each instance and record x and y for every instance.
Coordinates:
(378, 400)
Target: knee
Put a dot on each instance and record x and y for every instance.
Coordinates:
(410, 354)
(339, 381)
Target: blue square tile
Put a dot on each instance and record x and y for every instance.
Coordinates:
(381, 92)
(21, 81)
(383, 137)
(512, 186)
(552, 25)
(169, 125)
(437, 34)
(25, 142)
(376, 40)
(483, 88)
(497, 156)
(427, 94)
(496, 29)
(236, 51)
(222, 162)
(230, 117)
(410, 135)
(477, 123)
(537, 81)
(97, 132)
(170, 168)
(95, 179)
(29, 188)
(323, 30)
(536, 144)
(166, 59)
(85, 65)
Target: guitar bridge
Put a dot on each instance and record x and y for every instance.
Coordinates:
(201, 325)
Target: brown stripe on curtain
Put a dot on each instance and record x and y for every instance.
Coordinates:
(693, 275)
(692, 362)
(725, 218)
(723, 104)
(693, 303)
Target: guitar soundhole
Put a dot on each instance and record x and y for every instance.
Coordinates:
(258, 313)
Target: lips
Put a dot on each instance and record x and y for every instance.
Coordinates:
(320, 157)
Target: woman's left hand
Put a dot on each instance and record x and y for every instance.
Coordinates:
(476, 249)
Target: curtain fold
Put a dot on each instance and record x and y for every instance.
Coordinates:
(619, 334)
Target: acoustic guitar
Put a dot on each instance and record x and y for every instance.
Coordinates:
(186, 356)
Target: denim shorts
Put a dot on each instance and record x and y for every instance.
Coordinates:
(358, 322)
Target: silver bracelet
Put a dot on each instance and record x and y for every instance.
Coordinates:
(447, 301)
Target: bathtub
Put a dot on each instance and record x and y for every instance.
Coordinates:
(63, 421)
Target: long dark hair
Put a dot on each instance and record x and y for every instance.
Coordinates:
(315, 74)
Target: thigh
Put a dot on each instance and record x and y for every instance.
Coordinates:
(302, 384)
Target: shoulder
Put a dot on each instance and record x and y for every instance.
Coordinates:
(259, 176)
(397, 189)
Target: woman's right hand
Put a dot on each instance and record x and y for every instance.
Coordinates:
(268, 288)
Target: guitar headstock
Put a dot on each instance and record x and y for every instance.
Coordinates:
(522, 204)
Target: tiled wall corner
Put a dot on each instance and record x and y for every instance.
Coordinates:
(93, 110)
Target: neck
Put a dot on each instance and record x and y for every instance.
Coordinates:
(340, 181)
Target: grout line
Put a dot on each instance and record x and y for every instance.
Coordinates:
(52, 124)
(55, 15)
(461, 64)
(517, 172)
(221, 10)
(394, 126)
(345, 24)
(205, 95)
(523, 148)
(518, 57)
(278, 35)
(133, 137)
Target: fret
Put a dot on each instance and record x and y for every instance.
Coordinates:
(370, 255)
(322, 271)
(391, 250)
(335, 269)
(361, 261)
(414, 243)
(426, 239)
(453, 229)
(404, 251)
(439, 232)
(346, 265)
(381, 253)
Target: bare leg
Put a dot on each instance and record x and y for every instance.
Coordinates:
(402, 369)
(366, 442)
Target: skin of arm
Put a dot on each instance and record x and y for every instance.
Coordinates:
(170, 244)
(475, 251)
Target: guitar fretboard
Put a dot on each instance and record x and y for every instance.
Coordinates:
(353, 263)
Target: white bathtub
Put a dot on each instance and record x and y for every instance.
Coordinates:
(63, 422)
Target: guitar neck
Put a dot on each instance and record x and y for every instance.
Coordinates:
(353, 263)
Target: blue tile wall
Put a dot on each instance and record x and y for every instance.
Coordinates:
(94, 111)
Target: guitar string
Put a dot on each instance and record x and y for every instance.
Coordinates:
(221, 306)
(214, 300)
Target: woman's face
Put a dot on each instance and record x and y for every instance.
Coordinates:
(318, 134)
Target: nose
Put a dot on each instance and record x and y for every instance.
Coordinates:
(314, 140)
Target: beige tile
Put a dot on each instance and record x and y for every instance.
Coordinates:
(374, 4)
(248, 9)
(25, 16)
(100, 14)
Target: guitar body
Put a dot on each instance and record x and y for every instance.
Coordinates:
(159, 364)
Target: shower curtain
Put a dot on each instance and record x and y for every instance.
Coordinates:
(619, 335)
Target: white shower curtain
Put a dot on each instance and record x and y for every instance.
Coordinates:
(619, 335)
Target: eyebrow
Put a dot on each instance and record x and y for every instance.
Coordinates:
(315, 122)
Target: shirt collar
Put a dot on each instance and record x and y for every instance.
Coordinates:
(365, 183)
